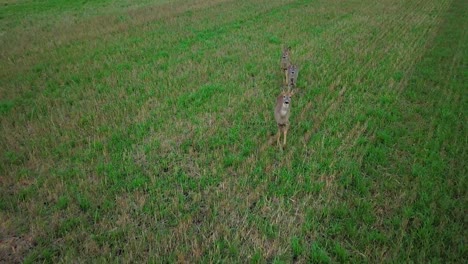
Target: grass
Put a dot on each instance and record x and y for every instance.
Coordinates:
(144, 131)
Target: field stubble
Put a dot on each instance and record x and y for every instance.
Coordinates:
(148, 137)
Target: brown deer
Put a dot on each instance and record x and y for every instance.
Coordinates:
(293, 73)
(285, 62)
(282, 113)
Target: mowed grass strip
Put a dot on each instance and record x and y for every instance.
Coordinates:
(150, 138)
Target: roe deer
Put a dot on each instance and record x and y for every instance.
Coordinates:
(282, 112)
(285, 62)
(293, 72)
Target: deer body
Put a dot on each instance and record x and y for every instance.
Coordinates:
(282, 113)
(285, 62)
(282, 110)
(293, 73)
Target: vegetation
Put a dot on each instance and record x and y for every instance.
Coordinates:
(144, 131)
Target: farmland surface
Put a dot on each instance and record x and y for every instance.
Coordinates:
(143, 131)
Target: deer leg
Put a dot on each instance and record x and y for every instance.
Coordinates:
(285, 133)
(278, 135)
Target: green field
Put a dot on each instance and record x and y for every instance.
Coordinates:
(143, 131)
